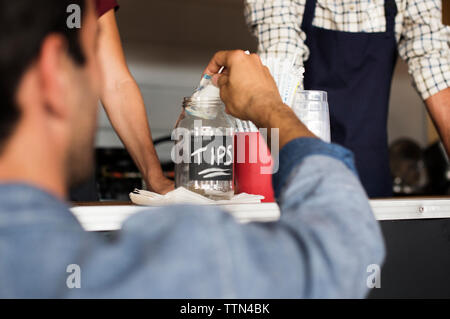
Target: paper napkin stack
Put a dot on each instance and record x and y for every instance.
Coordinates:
(183, 196)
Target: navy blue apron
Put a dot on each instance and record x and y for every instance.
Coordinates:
(356, 70)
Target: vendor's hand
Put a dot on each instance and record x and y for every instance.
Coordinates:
(160, 184)
(246, 85)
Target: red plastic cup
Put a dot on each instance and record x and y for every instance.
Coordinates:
(253, 165)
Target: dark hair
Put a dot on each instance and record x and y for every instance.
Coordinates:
(24, 24)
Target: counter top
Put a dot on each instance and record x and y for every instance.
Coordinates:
(109, 216)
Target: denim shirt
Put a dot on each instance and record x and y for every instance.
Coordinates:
(320, 248)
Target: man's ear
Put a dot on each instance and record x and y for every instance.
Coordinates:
(53, 66)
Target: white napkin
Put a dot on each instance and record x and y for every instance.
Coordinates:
(183, 196)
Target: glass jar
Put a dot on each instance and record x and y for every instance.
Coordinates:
(311, 107)
(204, 149)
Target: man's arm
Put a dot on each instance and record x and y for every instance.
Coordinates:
(276, 24)
(327, 236)
(439, 107)
(424, 45)
(124, 105)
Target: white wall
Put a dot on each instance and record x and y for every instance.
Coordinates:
(407, 113)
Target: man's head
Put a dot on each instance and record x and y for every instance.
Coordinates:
(49, 84)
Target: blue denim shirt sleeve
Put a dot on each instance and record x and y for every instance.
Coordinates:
(327, 235)
(295, 151)
(327, 211)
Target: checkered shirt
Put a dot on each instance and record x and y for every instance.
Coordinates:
(422, 40)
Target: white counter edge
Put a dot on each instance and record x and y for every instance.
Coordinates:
(109, 218)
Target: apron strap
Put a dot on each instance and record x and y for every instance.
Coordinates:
(308, 15)
(390, 11)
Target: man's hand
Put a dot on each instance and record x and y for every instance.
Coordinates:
(250, 93)
(246, 85)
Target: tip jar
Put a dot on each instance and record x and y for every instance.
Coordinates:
(204, 149)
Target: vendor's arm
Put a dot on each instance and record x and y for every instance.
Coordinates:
(125, 107)
(424, 46)
(439, 107)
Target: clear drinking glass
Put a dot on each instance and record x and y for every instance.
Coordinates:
(311, 107)
(205, 164)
